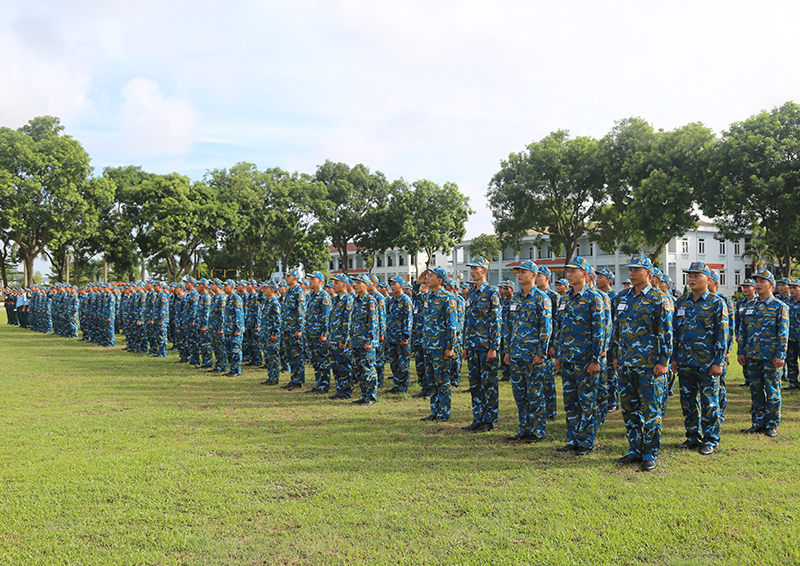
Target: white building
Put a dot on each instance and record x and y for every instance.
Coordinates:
(698, 245)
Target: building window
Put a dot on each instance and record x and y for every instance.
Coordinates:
(722, 279)
(433, 260)
(591, 249)
(685, 246)
(330, 265)
(541, 251)
(379, 262)
(701, 246)
(401, 260)
(737, 248)
(530, 253)
(508, 254)
(350, 263)
(722, 248)
(549, 252)
(737, 277)
(684, 279)
(390, 261)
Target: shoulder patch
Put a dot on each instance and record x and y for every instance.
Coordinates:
(371, 306)
(668, 306)
(326, 300)
(495, 300)
(349, 306)
(452, 303)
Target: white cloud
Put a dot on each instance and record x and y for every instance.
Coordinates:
(152, 124)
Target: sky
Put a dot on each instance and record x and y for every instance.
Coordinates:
(440, 90)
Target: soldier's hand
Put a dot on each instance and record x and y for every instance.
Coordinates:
(716, 370)
(237, 333)
(464, 355)
(298, 334)
(219, 332)
(537, 360)
(594, 368)
(552, 352)
(342, 345)
(404, 342)
(558, 365)
(778, 363)
(450, 353)
(491, 354)
(742, 360)
(507, 359)
(273, 338)
(675, 367)
(382, 339)
(659, 370)
(368, 347)
(323, 339)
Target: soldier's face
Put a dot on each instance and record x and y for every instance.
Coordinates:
(477, 273)
(639, 276)
(360, 287)
(524, 277)
(795, 291)
(575, 275)
(269, 292)
(339, 287)
(749, 291)
(561, 288)
(782, 288)
(396, 288)
(763, 286)
(697, 281)
(228, 289)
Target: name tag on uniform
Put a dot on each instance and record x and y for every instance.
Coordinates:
(426, 304)
(416, 311)
(681, 312)
(622, 306)
(513, 307)
(749, 311)
(562, 306)
(466, 304)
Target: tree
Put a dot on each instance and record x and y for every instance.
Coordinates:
(555, 187)
(486, 245)
(353, 195)
(755, 177)
(433, 217)
(758, 249)
(44, 184)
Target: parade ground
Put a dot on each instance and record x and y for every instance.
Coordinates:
(113, 458)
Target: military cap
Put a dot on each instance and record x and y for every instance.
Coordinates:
(784, 280)
(329, 284)
(282, 283)
(527, 265)
(748, 282)
(668, 280)
(607, 273)
(715, 275)
(699, 267)
(230, 282)
(341, 277)
(294, 273)
(304, 281)
(544, 270)
(563, 281)
(397, 279)
(440, 273)
(271, 285)
(765, 274)
(374, 279)
(506, 283)
(203, 281)
(318, 275)
(363, 277)
(627, 282)
(578, 262)
(479, 261)
(794, 282)
(640, 260)
(658, 273)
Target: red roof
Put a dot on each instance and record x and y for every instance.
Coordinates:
(351, 247)
(349, 271)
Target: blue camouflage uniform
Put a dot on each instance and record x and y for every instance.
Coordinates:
(317, 318)
(763, 338)
(527, 335)
(204, 337)
(380, 362)
(191, 328)
(455, 361)
(793, 347)
(439, 334)
(364, 332)
(339, 342)
(483, 331)
(642, 339)
(700, 340)
(234, 324)
(269, 327)
(741, 306)
(580, 333)
(293, 312)
(417, 342)
(399, 319)
(159, 319)
(549, 367)
(216, 321)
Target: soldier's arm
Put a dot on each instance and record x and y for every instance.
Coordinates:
(664, 335)
(721, 336)
(545, 326)
(598, 329)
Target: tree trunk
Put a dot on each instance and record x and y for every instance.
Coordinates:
(66, 266)
(28, 261)
(249, 258)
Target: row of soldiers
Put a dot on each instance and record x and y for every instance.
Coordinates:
(629, 346)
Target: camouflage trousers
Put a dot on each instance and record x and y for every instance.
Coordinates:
(580, 403)
(455, 366)
(158, 341)
(669, 383)
(483, 386)
(251, 353)
(422, 372)
(527, 384)
(220, 355)
(342, 367)
(399, 360)
(204, 348)
(550, 396)
(233, 349)
(364, 373)
(792, 368)
(640, 394)
(765, 393)
(723, 392)
(272, 361)
(380, 362)
(700, 405)
(602, 403)
(295, 355)
(284, 356)
(318, 353)
(192, 344)
(504, 367)
(437, 369)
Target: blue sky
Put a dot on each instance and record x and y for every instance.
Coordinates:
(436, 89)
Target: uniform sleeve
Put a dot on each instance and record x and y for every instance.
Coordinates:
(742, 335)
(545, 326)
(731, 323)
(239, 313)
(326, 314)
(664, 334)
(721, 340)
(598, 329)
(782, 325)
(508, 328)
(495, 321)
(450, 320)
(406, 317)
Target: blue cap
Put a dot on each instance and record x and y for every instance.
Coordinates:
(544, 270)
(230, 282)
(397, 279)
(765, 274)
(607, 273)
(439, 272)
(527, 265)
(271, 285)
(374, 279)
(318, 275)
(699, 267)
(578, 262)
(341, 277)
(794, 282)
(640, 260)
(715, 275)
(506, 283)
(668, 280)
(363, 277)
(294, 273)
(749, 282)
(479, 261)
(658, 273)
(784, 280)
(563, 281)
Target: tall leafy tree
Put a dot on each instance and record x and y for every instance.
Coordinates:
(486, 245)
(44, 184)
(756, 178)
(555, 186)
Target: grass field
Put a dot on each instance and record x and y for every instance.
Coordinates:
(113, 458)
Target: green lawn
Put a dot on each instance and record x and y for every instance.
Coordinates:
(113, 458)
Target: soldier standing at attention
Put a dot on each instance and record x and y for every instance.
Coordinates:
(641, 347)
(749, 292)
(579, 341)
(439, 333)
(269, 332)
(160, 317)
(318, 316)
(605, 279)
(417, 335)
(190, 307)
(398, 335)
(483, 327)
(713, 287)
(234, 329)
(380, 302)
(562, 286)
(364, 341)
(294, 319)
(251, 350)
(339, 338)
(455, 363)
(282, 349)
(548, 368)
(528, 336)
(793, 349)
(204, 356)
(700, 346)
(506, 289)
(216, 322)
(763, 342)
